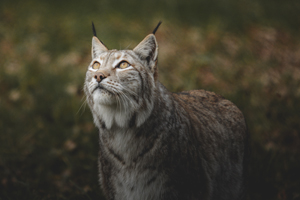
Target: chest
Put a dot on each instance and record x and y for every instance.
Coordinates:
(138, 184)
(134, 176)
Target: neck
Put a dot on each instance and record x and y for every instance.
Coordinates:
(133, 113)
(132, 143)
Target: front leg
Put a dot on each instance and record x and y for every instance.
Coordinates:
(105, 171)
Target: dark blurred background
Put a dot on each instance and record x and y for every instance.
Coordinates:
(247, 51)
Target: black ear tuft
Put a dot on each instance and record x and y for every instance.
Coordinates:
(94, 30)
(154, 31)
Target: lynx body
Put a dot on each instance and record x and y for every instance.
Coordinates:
(158, 145)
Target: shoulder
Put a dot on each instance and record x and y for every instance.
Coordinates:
(200, 96)
(210, 101)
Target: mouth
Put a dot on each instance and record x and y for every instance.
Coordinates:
(100, 88)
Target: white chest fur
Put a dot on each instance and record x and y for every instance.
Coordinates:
(136, 185)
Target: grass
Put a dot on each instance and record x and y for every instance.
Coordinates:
(246, 51)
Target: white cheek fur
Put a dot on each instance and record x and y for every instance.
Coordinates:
(128, 68)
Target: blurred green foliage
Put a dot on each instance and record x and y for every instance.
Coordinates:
(247, 51)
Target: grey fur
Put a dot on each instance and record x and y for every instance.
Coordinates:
(155, 144)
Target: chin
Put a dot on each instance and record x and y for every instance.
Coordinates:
(103, 97)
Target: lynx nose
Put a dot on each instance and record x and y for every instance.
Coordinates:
(99, 76)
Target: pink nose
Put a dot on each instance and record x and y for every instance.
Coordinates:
(99, 76)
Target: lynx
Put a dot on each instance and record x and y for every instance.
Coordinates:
(159, 145)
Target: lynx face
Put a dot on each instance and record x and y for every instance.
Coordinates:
(119, 84)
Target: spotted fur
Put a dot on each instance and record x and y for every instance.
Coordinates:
(155, 144)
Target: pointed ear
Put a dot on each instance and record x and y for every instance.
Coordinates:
(147, 49)
(97, 47)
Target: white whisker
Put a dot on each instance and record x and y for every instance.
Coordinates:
(82, 105)
(128, 46)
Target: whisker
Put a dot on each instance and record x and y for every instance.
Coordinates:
(82, 105)
(128, 46)
(119, 103)
(128, 99)
(129, 91)
(124, 100)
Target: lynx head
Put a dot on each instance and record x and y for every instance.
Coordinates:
(120, 85)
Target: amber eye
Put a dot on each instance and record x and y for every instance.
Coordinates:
(123, 65)
(96, 65)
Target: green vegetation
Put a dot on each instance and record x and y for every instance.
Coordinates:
(247, 51)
